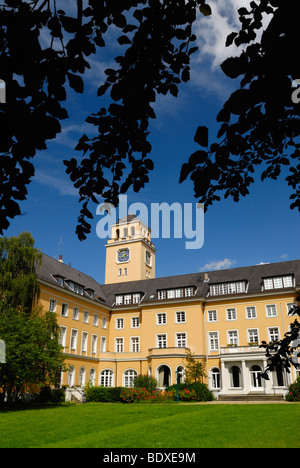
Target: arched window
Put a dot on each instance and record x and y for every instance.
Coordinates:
(128, 377)
(106, 377)
(215, 378)
(164, 376)
(180, 369)
(132, 230)
(118, 233)
(235, 377)
(125, 232)
(92, 377)
(81, 379)
(71, 376)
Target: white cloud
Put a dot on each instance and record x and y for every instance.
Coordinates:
(218, 265)
(59, 183)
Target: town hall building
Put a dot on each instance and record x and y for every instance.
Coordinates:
(136, 323)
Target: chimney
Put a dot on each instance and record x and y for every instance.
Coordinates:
(60, 259)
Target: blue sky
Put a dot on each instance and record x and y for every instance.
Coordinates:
(260, 228)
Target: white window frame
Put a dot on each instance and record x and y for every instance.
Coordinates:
(128, 377)
(212, 315)
(119, 325)
(161, 318)
(253, 309)
(62, 336)
(180, 316)
(65, 309)
(161, 295)
(274, 308)
(134, 344)
(127, 299)
(189, 292)
(52, 305)
(232, 337)
(136, 298)
(213, 339)
(135, 322)
(119, 344)
(94, 344)
(95, 320)
(75, 313)
(73, 339)
(119, 300)
(106, 378)
(231, 314)
(103, 344)
(161, 339)
(181, 340)
(104, 322)
(84, 341)
(253, 332)
(271, 333)
(86, 316)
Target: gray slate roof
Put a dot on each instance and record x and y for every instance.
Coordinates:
(106, 293)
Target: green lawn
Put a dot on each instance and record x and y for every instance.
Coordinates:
(109, 425)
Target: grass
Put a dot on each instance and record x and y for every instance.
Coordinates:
(107, 425)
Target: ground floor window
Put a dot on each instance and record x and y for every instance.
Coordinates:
(256, 381)
(164, 376)
(106, 377)
(129, 377)
(81, 380)
(71, 376)
(215, 378)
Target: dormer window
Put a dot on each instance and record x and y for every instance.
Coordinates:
(278, 282)
(59, 279)
(176, 293)
(90, 292)
(77, 288)
(130, 298)
(227, 288)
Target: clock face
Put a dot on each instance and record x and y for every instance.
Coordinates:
(123, 255)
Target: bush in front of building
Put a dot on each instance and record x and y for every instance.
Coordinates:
(196, 391)
(131, 395)
(103, 394)
(52, 395)
(294, 391)
(144, 381)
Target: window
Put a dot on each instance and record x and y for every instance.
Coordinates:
(215, 378)
(119, 323)
(129, 376)
(71, 376)
(64, 310)
(289, 306)
(278, 282)
(180, 317)
(119, 300)
(94, 344)
(135, 322)
(227, 288)
(106, 377)
(189, 292)
(84, 342)
(273, 334)
(103, 344)
(231, 314)
(74, 339)
(95, 320)
(92, 377)
(181, 340)
(179, 292)
(127, 299)
(161, 295)
(125, 272)
(134, 344)
(81, 378)
(251, 312)
(148, 258)
(253, 335)
(119, 345)
(104, 322)
(52, 305)
(136, 298)
(86, 316)
(75, 313)
(161, 319)
(120, 272)
(161, 341)
(271, 310)
(232, 337)
(62, 336)
(213, 341)
(171, 293)
(212, 316)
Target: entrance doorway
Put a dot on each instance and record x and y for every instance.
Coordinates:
(164, 376)
(256, 380)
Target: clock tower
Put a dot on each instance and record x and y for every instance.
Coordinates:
(130, 254)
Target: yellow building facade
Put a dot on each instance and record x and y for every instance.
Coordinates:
(138, 324)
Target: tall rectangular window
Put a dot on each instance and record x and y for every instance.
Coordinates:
(271, 310)
(180, 317)
(213, 341)
(74, 339)
(161, 319)
(119, 345)
(135, 344)
(84, 342)
(231, 314)
(161, 341)
(232, 337)
(250, 312)
(212, 316)
(181, 340)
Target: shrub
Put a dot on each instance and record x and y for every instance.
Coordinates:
(102, 394)
(294, 391)
(52, 395)
(144, 381)
(192, 392)
(130, 395)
